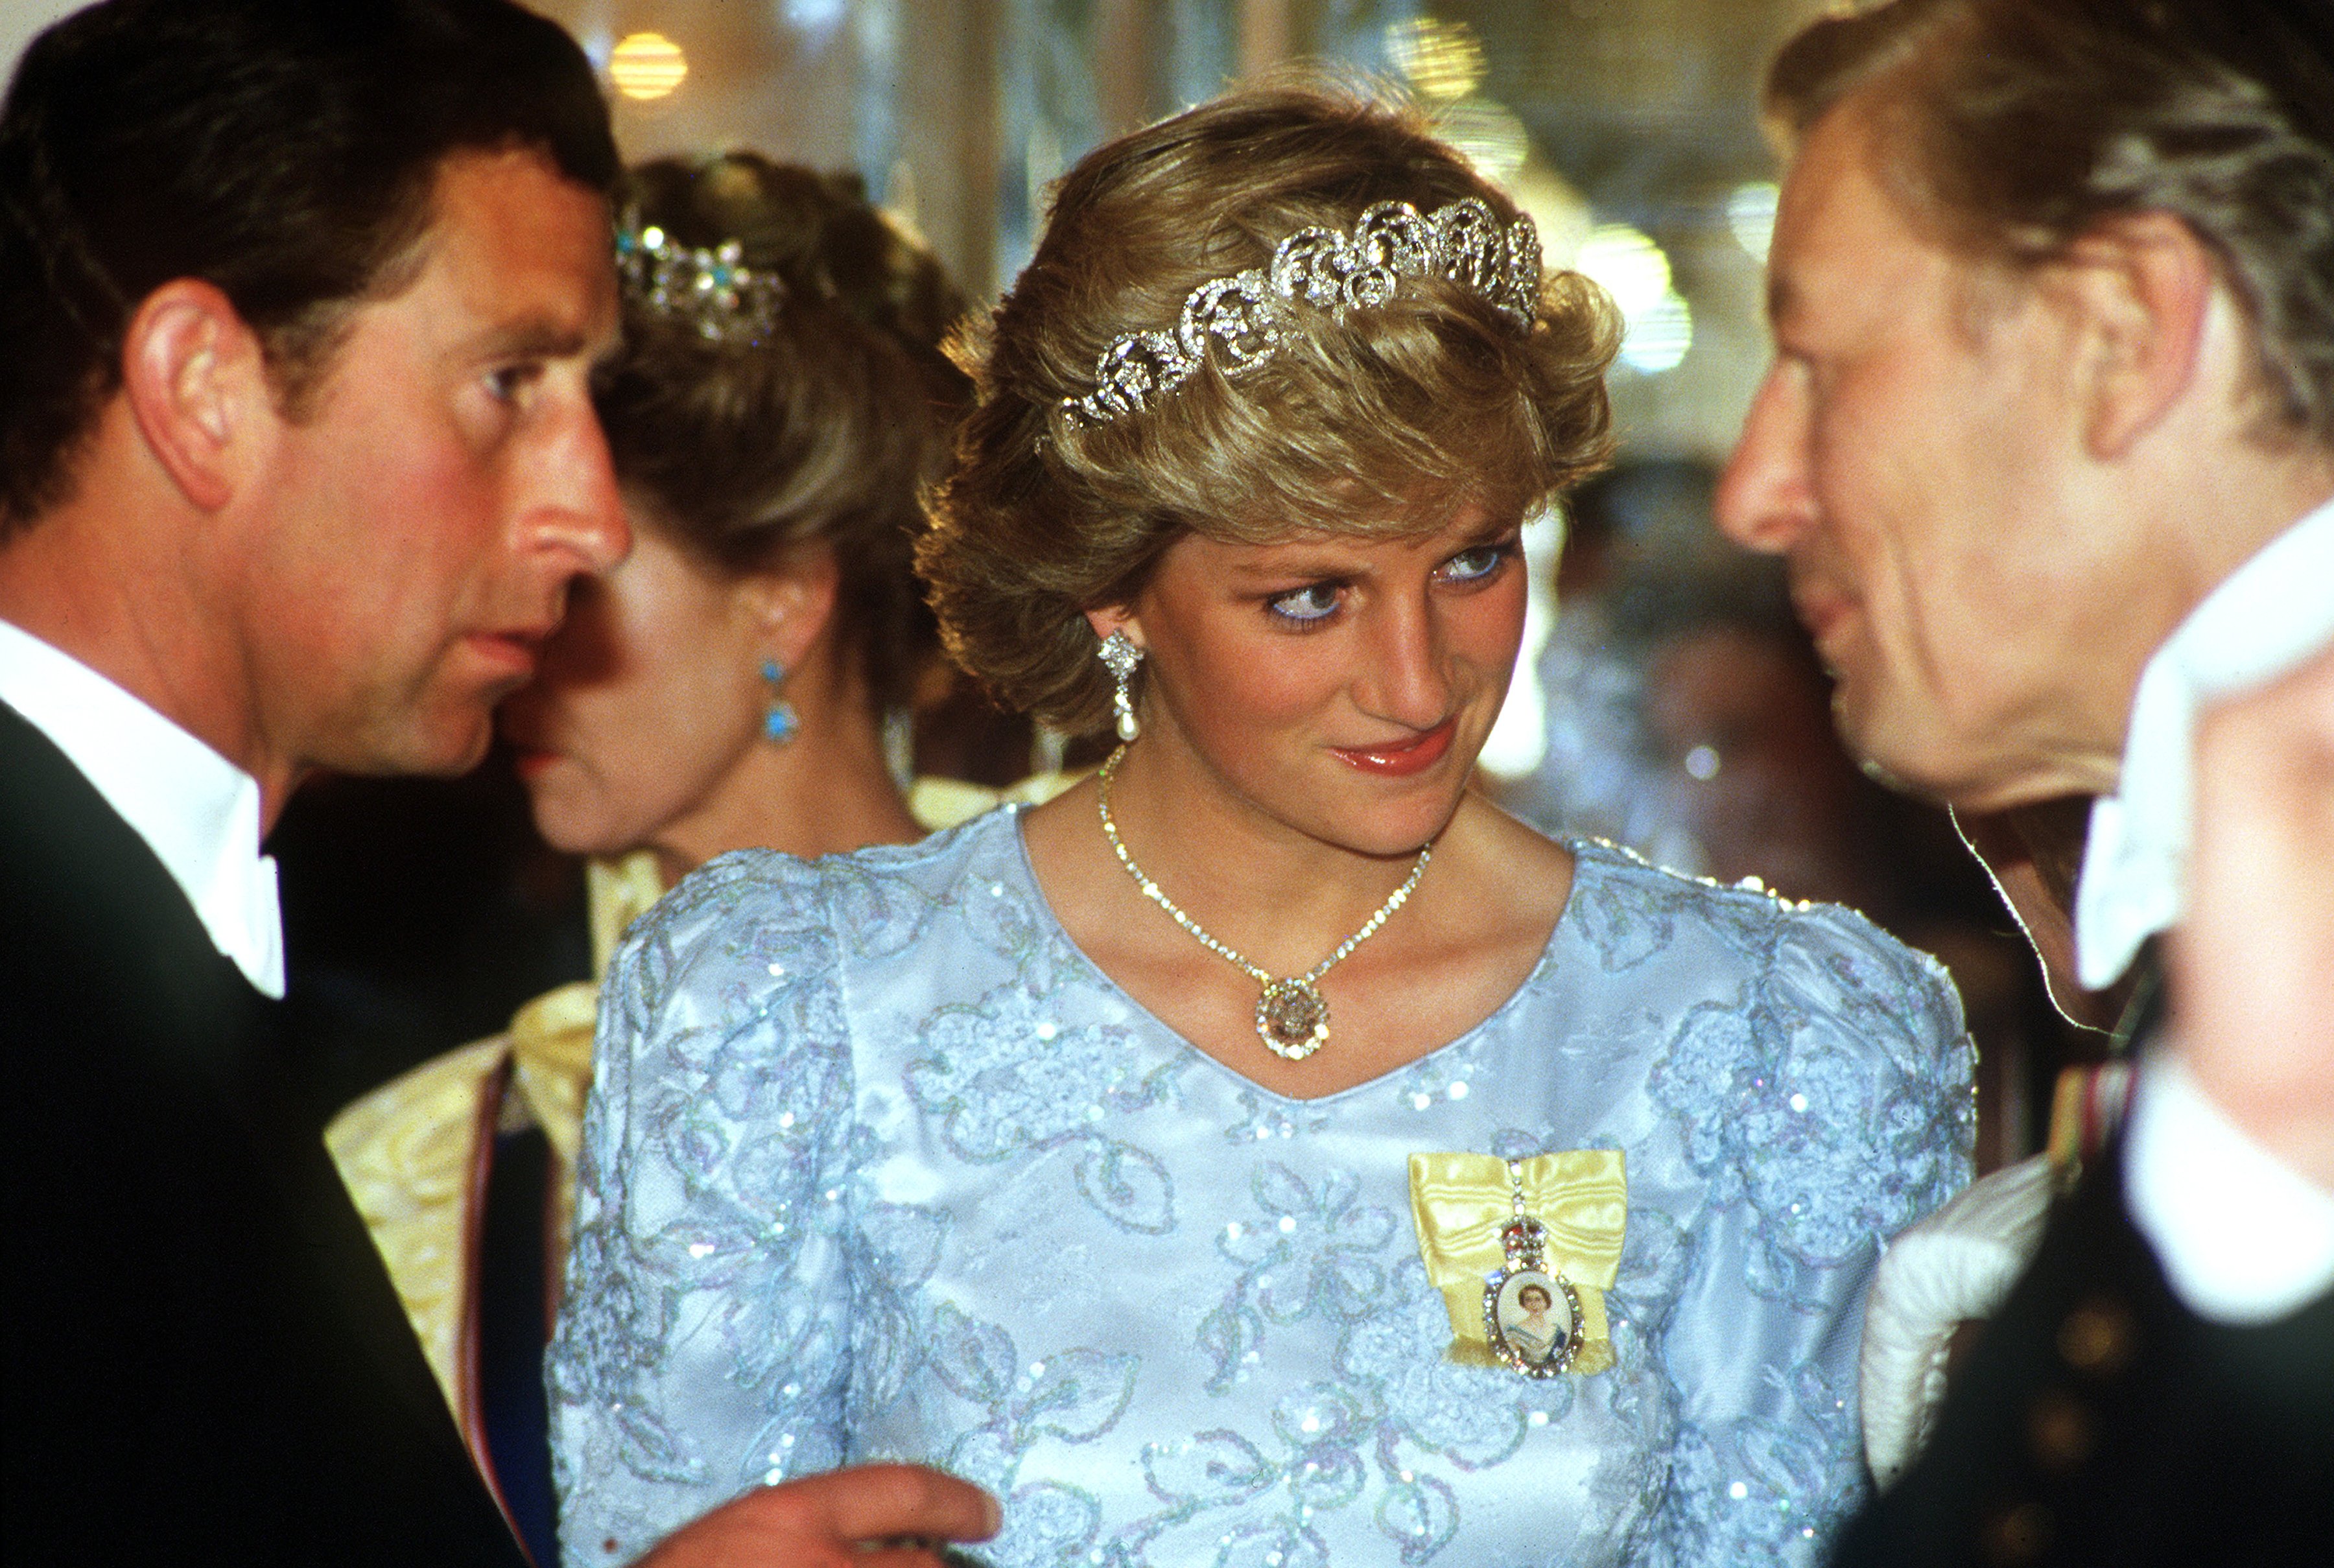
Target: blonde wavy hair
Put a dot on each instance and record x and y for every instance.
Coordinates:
(1382, 424)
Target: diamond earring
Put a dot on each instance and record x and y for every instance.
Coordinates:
(1119, 652)
(781, 722)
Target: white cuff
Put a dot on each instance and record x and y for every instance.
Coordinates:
(1958, 1264)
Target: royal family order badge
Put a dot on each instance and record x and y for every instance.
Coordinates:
(1522, 1252)
(1531, 1313)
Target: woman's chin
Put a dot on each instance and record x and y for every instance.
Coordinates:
(571, 830)
(1388, 829)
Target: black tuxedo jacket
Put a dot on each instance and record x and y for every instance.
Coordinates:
(2098, 1421)
(205, 1364)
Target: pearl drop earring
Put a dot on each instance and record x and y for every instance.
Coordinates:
(1119, 652)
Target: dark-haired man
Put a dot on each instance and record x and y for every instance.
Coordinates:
(297, 459)
(2049, 442)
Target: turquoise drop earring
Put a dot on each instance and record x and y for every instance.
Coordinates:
(781, 722)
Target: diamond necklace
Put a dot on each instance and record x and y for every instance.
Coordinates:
(1292, 1018)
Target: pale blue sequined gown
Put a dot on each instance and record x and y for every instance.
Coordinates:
(880, 1165)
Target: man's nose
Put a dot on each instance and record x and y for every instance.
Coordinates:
(577, 509)
(1764, 502)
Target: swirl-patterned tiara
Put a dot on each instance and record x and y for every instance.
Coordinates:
(1248, 314)
(711, 289)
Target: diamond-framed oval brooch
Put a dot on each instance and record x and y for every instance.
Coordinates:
(1531, 1313)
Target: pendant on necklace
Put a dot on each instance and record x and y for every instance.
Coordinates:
(1292, 1018)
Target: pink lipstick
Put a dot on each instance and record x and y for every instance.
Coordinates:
(1400, 759)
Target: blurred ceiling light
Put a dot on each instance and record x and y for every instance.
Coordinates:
(1750, 214)
(1658, 324)
(647, 65)
(1626, 260)
(1488, 136)
(1441, 59)
(815, 15)
(1656, 340)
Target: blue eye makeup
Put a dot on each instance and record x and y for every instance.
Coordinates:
(1479, 562)
(1317, 604)
(1308, 606)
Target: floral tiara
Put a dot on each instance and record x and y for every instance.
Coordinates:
(1248, 313)
(711, 289)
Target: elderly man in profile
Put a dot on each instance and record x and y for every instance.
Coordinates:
(2048, 444)
(298, 306)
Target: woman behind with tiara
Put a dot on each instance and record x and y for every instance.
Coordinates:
(1173, 1158)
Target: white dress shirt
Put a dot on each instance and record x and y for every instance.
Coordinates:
(2242, 1237)
(2265, 618)
(197, 810)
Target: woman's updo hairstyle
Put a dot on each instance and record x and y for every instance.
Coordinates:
(1382, 424)
(821, 431)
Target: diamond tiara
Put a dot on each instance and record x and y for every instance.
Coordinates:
(1246, 315)
(711, 289)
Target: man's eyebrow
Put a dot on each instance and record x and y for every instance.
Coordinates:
(529, 338)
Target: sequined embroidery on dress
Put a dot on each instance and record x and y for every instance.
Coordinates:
(881, 1167)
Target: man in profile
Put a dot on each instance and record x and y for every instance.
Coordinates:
(298, 308)
(2049, 443)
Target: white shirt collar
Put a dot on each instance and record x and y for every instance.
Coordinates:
(197, 810)
(2243, 1237)
(2264, 619)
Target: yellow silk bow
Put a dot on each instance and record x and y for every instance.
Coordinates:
(409, 1152)
(1460, 1201)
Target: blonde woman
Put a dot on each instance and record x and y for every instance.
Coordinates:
(1136, 1156)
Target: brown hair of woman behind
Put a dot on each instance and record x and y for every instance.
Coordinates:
(1383, 424)
(820, 434)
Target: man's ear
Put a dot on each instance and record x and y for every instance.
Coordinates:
(2143, 284)
(793, 603)
(195, 378)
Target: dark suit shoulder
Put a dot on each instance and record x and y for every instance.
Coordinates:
(2100, 1420)
(200, 1360)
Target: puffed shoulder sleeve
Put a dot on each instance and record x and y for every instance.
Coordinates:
(699, 1349)
(1828, 1111)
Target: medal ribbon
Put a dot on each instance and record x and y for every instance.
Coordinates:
(1460, 1201)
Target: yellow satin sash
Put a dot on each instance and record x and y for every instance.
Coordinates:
(409, 1152)
(1459, 1202)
